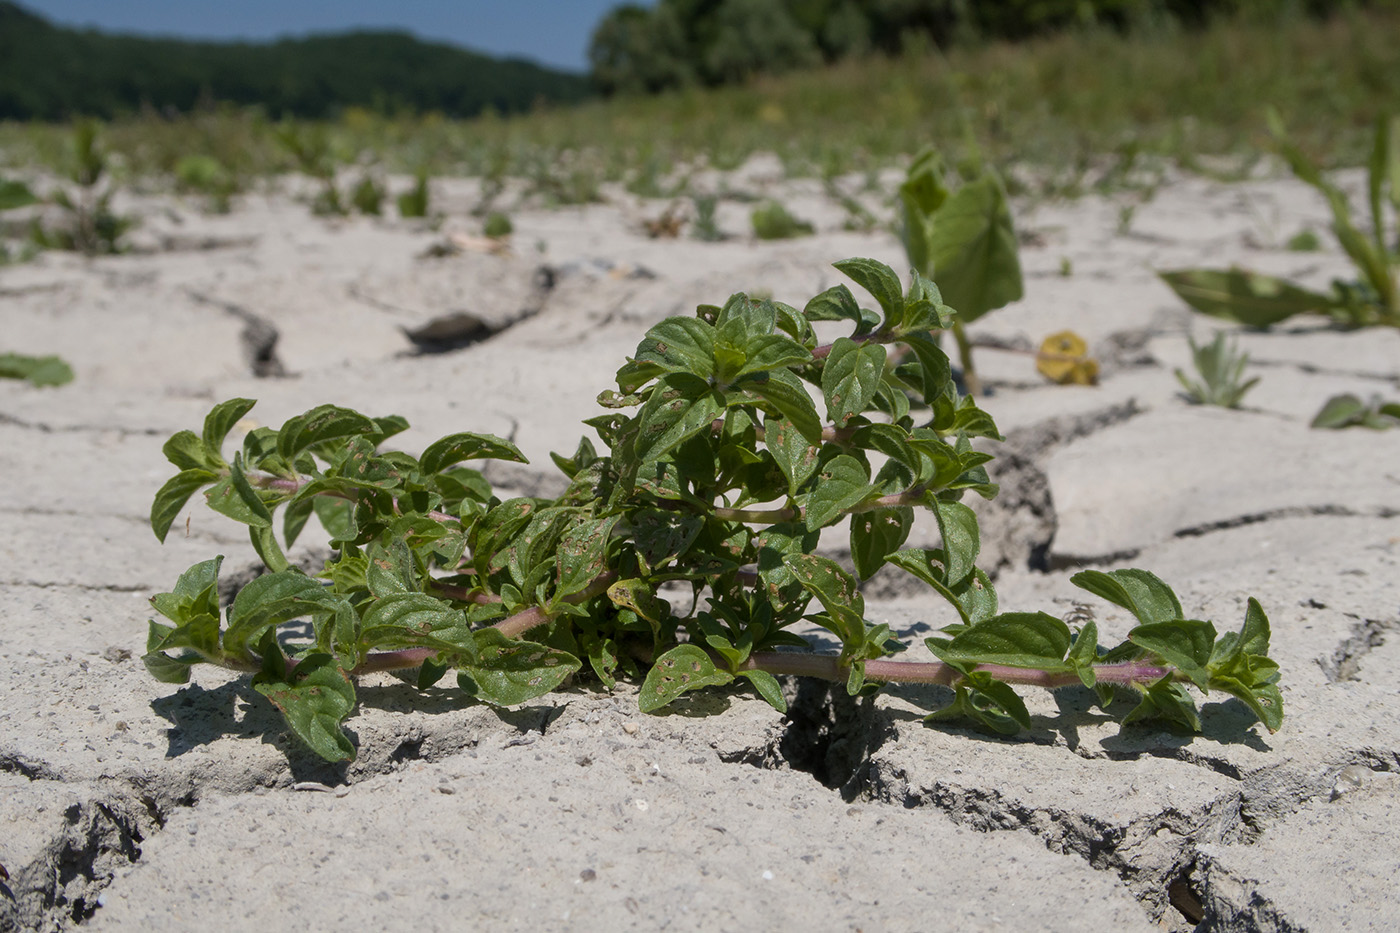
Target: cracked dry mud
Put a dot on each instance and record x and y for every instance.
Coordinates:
(130, 805)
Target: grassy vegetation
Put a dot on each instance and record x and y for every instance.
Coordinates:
(1060, 103)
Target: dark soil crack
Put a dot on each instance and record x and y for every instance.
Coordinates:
(81, 428)
(1297, 511)
(1365, 635)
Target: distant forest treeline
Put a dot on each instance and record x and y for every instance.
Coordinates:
(51, 73)
(681, 43)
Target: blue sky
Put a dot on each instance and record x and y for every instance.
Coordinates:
(551, 32)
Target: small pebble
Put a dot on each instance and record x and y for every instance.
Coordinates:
(588, 874)
(630, 728)
(641, 804)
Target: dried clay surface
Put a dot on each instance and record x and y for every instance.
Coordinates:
(126, 804)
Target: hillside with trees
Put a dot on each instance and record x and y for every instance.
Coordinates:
(49, 72)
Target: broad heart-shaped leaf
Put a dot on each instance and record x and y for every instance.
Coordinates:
(880, 281)
(680, 345)
(973, 250)
(974, 597)
(1184, 644)
(322, 423)
(839, 595)
(961, 539)
(219, 422)
(786, 393)
(841, 483)
(508, 671)
(466, 446)
(681, 406)
(1033, 640)
(1241, 296)
(835, 304)
(684, 667)
(172, 498)
(315, 702)
(1138, 591)
(795, 456)
(877, 534)
(851, 378)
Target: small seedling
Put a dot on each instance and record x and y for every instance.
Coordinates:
(368, 196)
(965, 240)
(414, 202)
(310, 148)
(36, 370)
(1373, 298)
(91, 227)
(772, 221)
(1221, 367)
(1349, 411)
(15, 194)
(714, 471)
(705, 226)
(208, 176)
(1304, 241)
(497, 226)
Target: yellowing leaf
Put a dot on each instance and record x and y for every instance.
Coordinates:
(1064, 358)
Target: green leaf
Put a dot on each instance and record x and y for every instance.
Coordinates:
(767, 687)
(1245, 297)
(220, 421)
(961, 539)
(935, 369)
(235, 497)
(172, 498)
(640, 596)
(973, 250)
(834, 304)
(456, 448)
(272, 599)
(880, 281)
(788, 395)
(681, 406)
(1084, 654)
(974, 598)
(36, 370)
(582, 554)
(660, 535)
(1032, 640)
(1138, 591)
(196, 592)
(1341, 411)
(315, 702)
(839, 595)
(680, 345)
(851, 378)
(413, 620)
(265, 544)
(877, 534)
(322, 423)
(1239, 666)
(169, 670)
(510, 671)
(841, 484)
(772, 351)
(1167, 701)
(794, 455)
(684, 667)
(15, 194)
(1184, 644)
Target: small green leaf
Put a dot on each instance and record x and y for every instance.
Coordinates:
(961, 539)
(877, 534)
(1138, 591)
(1185, 645)
(851, 377)
(640, 596)
(772, 351)
(841, 483)
(838, 593)
(322, 423)
(220, 421)
(684, 667)
(186, 450)
(172, 498)
(1244, 297)
(235, 497)
(509, 672)
(661, 536)
(1167, 701)
(788, 395)
(1085, 653)
(272, 599)
(767, 687)
(315, 702)
(196, 592)
(796, 457)
(582, 554)
(880, 281)
(681, 406)
(456, 448)
(834, 304)
(680, 345)
(1032, 640)
(974, 598)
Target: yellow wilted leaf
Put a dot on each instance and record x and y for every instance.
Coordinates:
(1064, 358)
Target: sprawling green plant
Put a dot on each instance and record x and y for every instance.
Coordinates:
(414, 201)
(716, 478)
(773, 221)
(1221, 368)
(36, 370)
(1373, 298)
(965, 239)
(1349, 411)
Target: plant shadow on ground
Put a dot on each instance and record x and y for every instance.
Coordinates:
(1228, 723)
